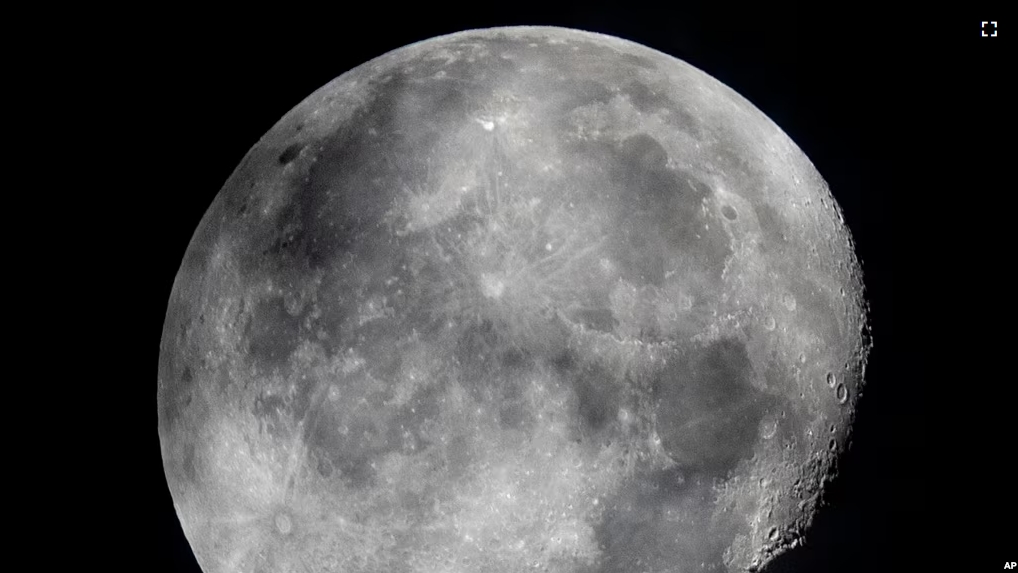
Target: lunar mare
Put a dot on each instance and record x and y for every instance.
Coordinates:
(520, 299)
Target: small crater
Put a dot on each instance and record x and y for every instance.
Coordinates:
(832, 380)
(802, 358)
(832, 445)
(729, 212)
(842, 394)
(772, 534)
(283, 523)
(770, 323)
(324, 467)
(290, 153)
(789, 301)
(492, 286)
(624, 416)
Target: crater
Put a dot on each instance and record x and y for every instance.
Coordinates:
(492, 286)
(789, 301)
(729, 212)
(324, 466)
(283, 523)
(842, 394)
(290, 153)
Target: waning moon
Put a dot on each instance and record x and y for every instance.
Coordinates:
(518, 299)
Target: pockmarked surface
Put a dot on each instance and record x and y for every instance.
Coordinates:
(520, 299)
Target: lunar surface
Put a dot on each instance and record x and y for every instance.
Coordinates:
(509, 300)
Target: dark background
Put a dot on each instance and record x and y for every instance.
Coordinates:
(855, 88)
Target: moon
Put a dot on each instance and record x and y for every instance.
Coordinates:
(512, 299)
